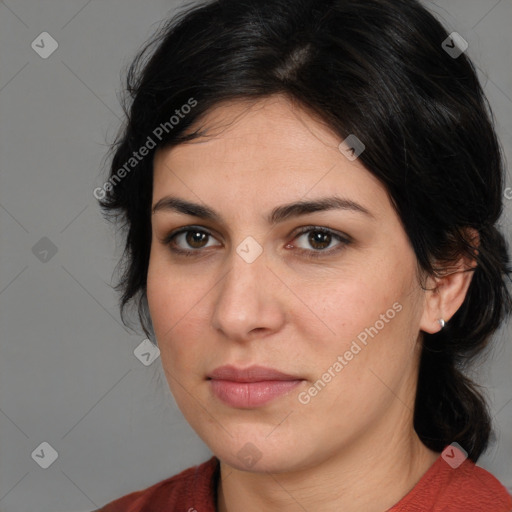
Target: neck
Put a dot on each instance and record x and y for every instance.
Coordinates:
(370, 476)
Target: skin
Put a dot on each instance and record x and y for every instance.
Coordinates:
(353, 446)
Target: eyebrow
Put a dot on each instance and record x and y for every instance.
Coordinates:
(278, 214)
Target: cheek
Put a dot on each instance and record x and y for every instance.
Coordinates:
(350, 300)
(164, 306)
(176, 304)
(368, 316)
(329, 306)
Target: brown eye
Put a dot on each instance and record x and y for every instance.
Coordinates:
(319, 242)
(189, 240)
(196, 239)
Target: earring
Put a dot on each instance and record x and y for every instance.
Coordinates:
(441, 323)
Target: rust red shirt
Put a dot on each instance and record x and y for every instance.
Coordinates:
(467, 488)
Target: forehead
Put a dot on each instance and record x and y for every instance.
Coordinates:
(260, 152)
(270, 126)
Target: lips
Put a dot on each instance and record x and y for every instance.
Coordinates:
(250, 374)
(250, 387)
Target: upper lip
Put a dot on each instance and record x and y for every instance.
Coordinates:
(250, 374)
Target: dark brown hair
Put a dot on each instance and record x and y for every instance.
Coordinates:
(373, 68)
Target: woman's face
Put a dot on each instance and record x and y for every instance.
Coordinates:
(338, 312)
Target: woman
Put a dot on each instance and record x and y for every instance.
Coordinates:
(311, 191)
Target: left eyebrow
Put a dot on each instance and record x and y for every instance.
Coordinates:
(284, 212)
(277, 215)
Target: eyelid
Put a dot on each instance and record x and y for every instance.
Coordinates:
(323, 229)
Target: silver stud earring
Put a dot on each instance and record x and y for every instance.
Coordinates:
(441, 323)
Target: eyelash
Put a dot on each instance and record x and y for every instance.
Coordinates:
(310, 254)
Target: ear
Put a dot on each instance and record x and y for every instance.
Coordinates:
(444, 295)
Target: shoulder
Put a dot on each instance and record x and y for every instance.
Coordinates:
(473, 485)
(193, 488)
(444, 488)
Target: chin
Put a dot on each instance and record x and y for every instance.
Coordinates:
(258, 454)
(252, 460)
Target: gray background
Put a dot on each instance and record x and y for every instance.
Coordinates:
(68, 374)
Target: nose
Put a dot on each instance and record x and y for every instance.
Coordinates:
(248, 300)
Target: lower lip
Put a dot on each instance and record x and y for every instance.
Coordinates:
(246, 395)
